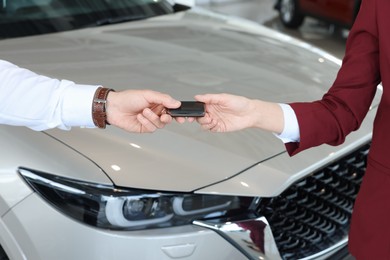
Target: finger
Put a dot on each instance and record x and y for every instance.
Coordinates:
(213, 126)
(190, 119)
(209, 125)
(204, 120)
(158, 109)
(180, 120)
(147, 126)
(165, 119)
(153, 118)
(215, 129)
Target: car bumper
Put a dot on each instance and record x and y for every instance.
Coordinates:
(35, 230)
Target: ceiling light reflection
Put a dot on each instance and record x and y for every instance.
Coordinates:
(135, 145)
(244, 184)
(115, 167)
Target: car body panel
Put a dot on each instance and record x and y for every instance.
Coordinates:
(183, 55)
(31, 149)
(279, 172)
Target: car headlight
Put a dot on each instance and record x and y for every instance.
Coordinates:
(110, 207)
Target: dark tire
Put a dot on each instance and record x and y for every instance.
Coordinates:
(289, 14)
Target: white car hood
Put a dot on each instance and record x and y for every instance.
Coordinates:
(182, 55)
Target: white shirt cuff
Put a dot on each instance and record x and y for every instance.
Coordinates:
(77, 105)
(291, 128)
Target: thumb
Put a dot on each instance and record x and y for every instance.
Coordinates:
(201, 98)
(162, 99)
(206, 98)
(214, 99)
(171, 103)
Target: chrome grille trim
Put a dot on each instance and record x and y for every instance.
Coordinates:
(253, 237)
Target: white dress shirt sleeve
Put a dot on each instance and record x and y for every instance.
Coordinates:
(291, 128)
(40, 102)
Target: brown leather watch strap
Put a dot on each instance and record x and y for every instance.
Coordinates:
(99, 107)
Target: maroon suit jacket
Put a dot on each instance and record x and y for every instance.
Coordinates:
(342, 109)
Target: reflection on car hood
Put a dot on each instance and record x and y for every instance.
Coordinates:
(182, 54)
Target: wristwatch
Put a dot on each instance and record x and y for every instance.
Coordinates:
(99, 115)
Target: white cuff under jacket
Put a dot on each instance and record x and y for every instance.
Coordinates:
(291, 128)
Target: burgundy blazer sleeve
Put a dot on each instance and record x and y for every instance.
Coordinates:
(343, 108)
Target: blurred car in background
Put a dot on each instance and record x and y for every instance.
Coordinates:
(342, 13)
(179, 193)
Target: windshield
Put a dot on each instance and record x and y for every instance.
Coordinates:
(30, 17)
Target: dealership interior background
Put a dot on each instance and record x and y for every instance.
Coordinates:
(262, 11)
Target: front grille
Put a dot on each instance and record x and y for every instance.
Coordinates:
(313, 214)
